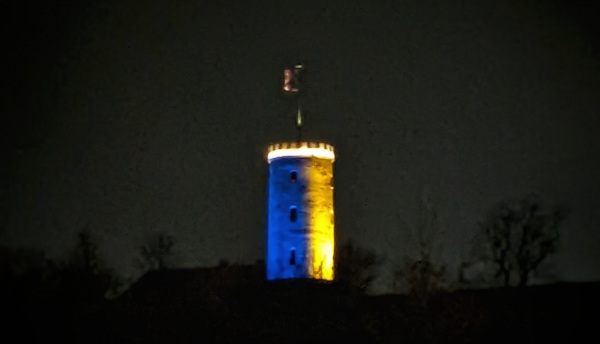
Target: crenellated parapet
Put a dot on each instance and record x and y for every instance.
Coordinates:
(305, 149)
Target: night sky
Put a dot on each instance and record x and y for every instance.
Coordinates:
(132, 118)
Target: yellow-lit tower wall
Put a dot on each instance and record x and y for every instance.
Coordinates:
(300, 234)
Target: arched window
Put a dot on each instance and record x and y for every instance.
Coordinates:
(293, 214)
(293, 176)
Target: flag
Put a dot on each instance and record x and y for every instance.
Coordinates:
(291, 79)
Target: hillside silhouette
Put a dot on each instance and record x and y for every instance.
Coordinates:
(235, 304)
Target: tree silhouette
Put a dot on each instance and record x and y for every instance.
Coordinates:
(517, 237)
(85, 255)
(156, 252)
(356, 266)
(83, 277)
(421, 273)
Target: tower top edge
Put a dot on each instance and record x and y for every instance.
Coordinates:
(305, 149)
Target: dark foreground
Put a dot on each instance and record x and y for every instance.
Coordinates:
(233, 305)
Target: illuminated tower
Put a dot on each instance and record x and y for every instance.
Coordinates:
(300, 234)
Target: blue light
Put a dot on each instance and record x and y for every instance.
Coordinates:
(287, 241)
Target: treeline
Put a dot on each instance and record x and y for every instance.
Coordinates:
(513, 242)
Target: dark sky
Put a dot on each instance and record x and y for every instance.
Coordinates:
(130, 118)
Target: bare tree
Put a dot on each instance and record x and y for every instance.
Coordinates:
(84, 273)
(84, 257)
(357, 266)
(421, 274)
(517, 237)
(156, 252)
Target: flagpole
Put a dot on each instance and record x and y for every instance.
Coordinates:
(299, 119)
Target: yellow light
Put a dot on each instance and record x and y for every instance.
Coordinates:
(322, 265)
(321, 220)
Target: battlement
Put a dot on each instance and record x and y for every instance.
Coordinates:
(300, 150)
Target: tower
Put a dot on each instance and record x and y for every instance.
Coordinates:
(300, 233)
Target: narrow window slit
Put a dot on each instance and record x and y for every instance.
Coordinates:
(293, 214)
(293, 256)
